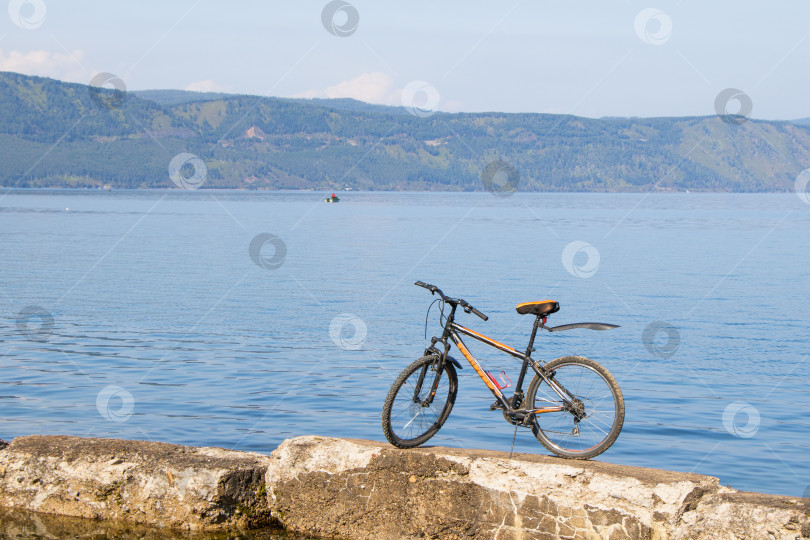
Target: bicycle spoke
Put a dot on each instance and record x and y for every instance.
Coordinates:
(593, 401)
(408, 420)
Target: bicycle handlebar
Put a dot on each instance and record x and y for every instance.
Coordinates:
(431, 288)
(457, 301)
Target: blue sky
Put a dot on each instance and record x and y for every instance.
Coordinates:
(586, 58)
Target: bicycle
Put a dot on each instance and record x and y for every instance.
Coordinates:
(573, 405)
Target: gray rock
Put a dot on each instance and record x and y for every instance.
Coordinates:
(138, 481)
(364, 489)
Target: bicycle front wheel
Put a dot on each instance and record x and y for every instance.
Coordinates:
(408, 420)
(588, 420)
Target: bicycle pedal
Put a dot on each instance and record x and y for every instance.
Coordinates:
(496, 405)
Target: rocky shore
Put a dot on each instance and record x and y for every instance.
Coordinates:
(366, 489)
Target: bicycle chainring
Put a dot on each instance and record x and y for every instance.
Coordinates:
(515, 401)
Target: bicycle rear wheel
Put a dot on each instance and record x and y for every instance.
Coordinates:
(407, 419)
(595, 414)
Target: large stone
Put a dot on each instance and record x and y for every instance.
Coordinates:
(145, 482)
(741, 514)
(365, 489)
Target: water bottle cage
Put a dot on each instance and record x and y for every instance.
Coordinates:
(504, 383)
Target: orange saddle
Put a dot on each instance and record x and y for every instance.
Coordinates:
(542, 308)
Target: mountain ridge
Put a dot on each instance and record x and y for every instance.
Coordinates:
(59, 134)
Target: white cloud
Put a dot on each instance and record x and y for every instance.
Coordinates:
(66, 67)
(206, 86)
(368, 87)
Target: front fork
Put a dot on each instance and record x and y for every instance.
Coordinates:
(437, 367)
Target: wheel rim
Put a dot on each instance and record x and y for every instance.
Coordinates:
(597, 399)
(409, 419)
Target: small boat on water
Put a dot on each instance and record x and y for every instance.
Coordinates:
(333, 198)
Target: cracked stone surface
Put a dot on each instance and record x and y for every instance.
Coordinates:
(365, 489)
(137, 481)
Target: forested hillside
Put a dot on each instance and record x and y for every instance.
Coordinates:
(56, 134)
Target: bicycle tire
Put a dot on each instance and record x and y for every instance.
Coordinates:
(405, 422)
(602, 401)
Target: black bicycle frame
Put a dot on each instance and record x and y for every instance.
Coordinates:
(452, 331)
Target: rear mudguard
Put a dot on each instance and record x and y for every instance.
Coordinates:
(588, 325)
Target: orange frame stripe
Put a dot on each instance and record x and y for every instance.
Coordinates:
(482, 336)
(547, 409)
(474, 363)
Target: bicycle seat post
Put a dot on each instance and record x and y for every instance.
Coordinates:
(538, 323)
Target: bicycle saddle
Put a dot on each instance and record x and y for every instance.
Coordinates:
(541, 308)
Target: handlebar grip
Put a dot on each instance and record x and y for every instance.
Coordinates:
(422, 284)
(484, 317)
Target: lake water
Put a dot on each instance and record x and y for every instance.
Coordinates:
(146, 315)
